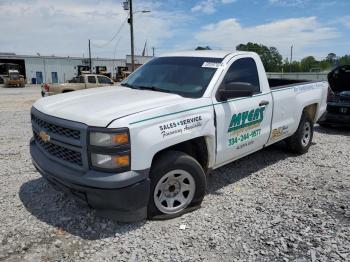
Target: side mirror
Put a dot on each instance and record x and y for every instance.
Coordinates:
(236, 89)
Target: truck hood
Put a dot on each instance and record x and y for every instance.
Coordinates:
(339, 79)
(100, 106)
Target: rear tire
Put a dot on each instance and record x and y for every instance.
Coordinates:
(178, 185)
(300, 141)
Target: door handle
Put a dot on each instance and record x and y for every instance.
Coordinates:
(264, 103)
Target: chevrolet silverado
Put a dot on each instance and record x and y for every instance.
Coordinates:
(143, 149)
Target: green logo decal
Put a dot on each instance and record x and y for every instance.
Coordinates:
(246, 119)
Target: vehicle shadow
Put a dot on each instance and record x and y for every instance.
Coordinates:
(244, 167)
(67, 214)
(333, 130)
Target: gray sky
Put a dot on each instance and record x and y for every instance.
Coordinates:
(63, 27)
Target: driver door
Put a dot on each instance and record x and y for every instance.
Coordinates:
(243, 123)
(91, 81)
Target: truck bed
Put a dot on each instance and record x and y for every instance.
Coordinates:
(276, 83)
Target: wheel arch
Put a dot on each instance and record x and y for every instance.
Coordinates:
(311, 111)
(199, 148)
(67, 90)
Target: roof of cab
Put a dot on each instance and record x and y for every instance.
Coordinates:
(204, 53)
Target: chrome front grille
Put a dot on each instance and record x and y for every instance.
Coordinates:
(59, 130)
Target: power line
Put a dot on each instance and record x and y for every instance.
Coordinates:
(115, 51)
(115, 47)
(115, 35)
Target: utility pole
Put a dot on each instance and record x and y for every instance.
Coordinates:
(44, 70)
(128, 6)
(291, 58)
(153, 48)
(90, 57)
(131, 22)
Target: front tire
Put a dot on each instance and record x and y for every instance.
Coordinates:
(301, 140)
(178, 184)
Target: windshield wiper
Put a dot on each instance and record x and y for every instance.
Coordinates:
(154, 88)
(128, 85)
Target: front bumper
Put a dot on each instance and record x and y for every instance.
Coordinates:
(45, 94)
(335, 119)
(14, 83)
(123, 196)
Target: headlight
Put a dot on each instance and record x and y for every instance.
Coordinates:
(108, 139)
(109, 149)
(110, 161)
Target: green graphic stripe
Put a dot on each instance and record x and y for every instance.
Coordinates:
(219, 103)
(194, 108)
(174, 113)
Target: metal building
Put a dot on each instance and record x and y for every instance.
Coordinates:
(138, 60)
(54, 69)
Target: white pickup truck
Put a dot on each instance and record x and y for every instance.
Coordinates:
(143, 149)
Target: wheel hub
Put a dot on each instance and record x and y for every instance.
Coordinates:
(174, 191)
(172, 188)
(306, 134)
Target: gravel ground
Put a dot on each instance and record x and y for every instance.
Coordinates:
(270, 206)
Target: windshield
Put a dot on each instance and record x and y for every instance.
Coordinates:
(14, 76)
(186, 76)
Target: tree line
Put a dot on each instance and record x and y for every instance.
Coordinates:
(274, 62)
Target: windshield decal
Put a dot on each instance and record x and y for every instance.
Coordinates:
(211, 65)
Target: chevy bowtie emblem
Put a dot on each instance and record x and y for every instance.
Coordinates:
(44, 136)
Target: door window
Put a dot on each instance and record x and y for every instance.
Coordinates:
(243, 70)
(104, 80)
(91, 79)
(81, 80)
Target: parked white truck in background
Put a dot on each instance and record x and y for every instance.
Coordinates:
(143, 149)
